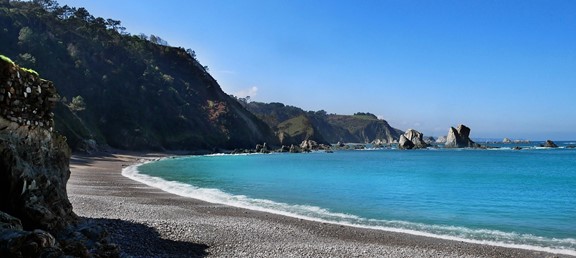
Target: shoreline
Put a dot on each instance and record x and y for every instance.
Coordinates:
(98, 190)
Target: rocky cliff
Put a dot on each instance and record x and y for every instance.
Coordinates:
(36, 218)
(332, 128)
(365, 129)
(298, 129)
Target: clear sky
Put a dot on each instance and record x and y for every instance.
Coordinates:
(505, 68)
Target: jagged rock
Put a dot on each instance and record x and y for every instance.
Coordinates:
(36, 243)
(412, 139)
(34, 170)
(9, 222)
(381, 142)
(429, 140)
(262, 148)
(506, 140)
(294, 149)
(404, 143)
(459, 138)
(308, 145)
(441, 139)
(284, 148)
(549, 144)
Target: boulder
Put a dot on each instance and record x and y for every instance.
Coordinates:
(429, 140)
(549, 144)
(308, 145)
(294, 149)
(412, 139)
(460, 138)
(441, 139)
(404, 143)
(506, 140)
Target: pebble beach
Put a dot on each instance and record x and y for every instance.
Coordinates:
(147, 222)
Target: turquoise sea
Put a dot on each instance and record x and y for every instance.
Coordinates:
(522, 198)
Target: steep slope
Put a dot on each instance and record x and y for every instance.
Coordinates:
(359, 128)
(298, 129)
(136, 92)
(366, 128)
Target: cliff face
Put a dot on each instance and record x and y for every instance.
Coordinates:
(36, 217)
(137, 93)
(365, 129)
(328, 128)
(298, 129)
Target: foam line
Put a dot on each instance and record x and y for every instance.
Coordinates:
(312, 213)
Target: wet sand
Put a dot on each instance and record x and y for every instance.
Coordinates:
(147, 222)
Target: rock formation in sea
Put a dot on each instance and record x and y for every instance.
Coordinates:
(460, 138)
(441, 139)
(549, 144)
(36, 217)
(412, 139)
(429, 140)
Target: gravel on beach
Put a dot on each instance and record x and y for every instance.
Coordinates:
(147, 222)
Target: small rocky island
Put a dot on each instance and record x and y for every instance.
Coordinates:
(460, 138)
(36, 217)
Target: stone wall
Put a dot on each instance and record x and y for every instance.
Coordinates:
(25, 98)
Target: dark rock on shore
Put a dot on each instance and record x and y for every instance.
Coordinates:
(36, 217)
(460, 138)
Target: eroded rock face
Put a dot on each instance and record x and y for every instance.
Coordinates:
(404, 143)
(459, 138)
(36, 217)
(412, 139)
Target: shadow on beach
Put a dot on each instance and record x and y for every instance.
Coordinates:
(139, 240)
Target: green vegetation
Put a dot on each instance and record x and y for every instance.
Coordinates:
(5, 58)
(137, 91)
(77, 104)
(297, 129)
(366, 115)
(30, 71)
(320, 126)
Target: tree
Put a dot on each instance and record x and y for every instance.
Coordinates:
(83, 14)
(191, 52)
(26, 35)
(48, 5)
(321, 113)
(77, 104)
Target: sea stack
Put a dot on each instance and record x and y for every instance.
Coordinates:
(412, 139)
(460, 138)
(549, 144)
(36, 218)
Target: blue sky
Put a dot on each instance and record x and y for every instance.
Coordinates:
(504, 68)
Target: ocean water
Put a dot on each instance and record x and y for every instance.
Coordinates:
(505, 197)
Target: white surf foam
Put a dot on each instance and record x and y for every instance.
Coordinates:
(313, 213)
